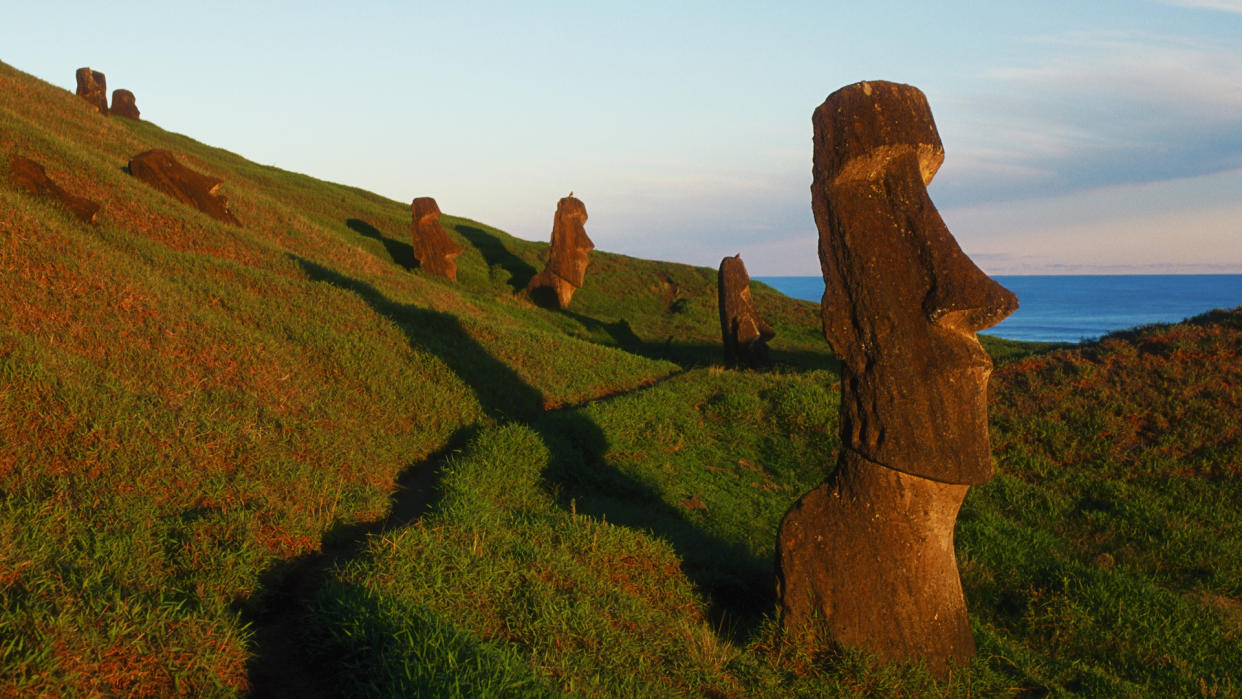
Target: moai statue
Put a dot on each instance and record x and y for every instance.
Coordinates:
(433, 249)
(159, 169)
(567, 255)
(744, 333)
(123, 104)
(30, 176)
(866, 559)
(93, 87)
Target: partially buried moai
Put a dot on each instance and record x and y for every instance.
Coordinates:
(567, 255)
(124, 104)
(745, 335)
(435, 251)
(93, 87)
(866, 559)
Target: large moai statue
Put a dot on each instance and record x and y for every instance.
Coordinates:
(30, 176)
(93, 87)
(567, 255)
(435, 251)
(124, 104)
(866, 559)
(159, 169)
(744, 333)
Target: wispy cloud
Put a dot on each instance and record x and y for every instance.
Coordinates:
(1222, 5)
(1097, 112)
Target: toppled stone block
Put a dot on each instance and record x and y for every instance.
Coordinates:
(93, 87)
(159, 169)
(435, 251)
(866, 559)
(30, 176)
(567, 255)
(123, 104)
(744, 333)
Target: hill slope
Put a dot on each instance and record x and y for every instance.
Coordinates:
(277, 459)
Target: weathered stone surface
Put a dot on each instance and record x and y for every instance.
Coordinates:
(31, 176)
(123, 104)
(159, 169)
(435, 251)
(568, 253)
(866, 559)
(744, 333)
(93, 87)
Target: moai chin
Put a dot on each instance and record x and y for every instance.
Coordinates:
(866, 559)
(124, 104)
(93, 87)
(435, 251)
(567, 254)
(744, 334)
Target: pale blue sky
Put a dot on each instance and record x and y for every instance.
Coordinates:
(1102, 136)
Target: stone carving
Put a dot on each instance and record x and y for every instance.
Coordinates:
(123, 104)
(31, 176)
(567, 255)
(433, 249)
(866, 559)
(744, 333)
(93, 87)
(159, 169)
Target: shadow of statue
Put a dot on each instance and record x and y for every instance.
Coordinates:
(401, 253)
(495, 254)
(739, 591)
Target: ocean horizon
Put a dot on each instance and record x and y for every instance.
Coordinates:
(1082, 307)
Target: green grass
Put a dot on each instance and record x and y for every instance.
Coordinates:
(218, 445)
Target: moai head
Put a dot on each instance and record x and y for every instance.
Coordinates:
(93, 87)
(435, 251)
(743, 332)
(570, 244)
(124, 104)
(902, 301)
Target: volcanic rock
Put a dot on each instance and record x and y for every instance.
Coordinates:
(31, 176)
(159, 169)
(866, 559)
(744, 333)
(123, 104)
(433, 249)
(93, 87)
(567, 255)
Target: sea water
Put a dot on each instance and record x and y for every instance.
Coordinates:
(1073, 308)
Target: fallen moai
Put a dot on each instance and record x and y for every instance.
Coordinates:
(567, 254)
(123, 104)
(866, 559)
(31, 176)
(744, 333)
(159, 169)
(435, 251)
(93, 87)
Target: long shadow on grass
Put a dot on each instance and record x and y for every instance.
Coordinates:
(495, 254)
(283, 665)
(401, 253)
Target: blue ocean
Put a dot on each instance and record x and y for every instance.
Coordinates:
(1073, 308)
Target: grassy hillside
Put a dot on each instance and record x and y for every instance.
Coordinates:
(278, 459)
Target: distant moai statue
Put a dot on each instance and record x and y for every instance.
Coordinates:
(30, 176)
(745, 335)
(123, 104)
(93, 87)
(567, 255)
(435, 251)
(161, 170)
(866, 559)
